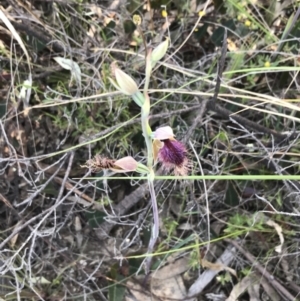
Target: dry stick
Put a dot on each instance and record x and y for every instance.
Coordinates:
(198, 119)
(39, 34)
(263, 271)
(221, 65)
(70, 186)
(211, 105)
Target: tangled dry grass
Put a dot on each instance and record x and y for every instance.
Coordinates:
(65, 234)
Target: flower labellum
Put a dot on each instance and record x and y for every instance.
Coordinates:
(173, 156)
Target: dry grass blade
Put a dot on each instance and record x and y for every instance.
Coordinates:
(16, 36)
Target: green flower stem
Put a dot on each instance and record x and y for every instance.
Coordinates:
(147, 135)
(146, 132)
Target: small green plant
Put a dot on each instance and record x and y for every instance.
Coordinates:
(224, 279)
(171, 226)
(238, 222)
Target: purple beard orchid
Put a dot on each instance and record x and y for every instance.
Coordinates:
(172, 154)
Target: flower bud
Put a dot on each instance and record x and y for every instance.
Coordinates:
(127, 85)
(125, 82)
(159, 52)
(125, 164)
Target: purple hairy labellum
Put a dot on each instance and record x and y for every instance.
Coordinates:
(173, 156)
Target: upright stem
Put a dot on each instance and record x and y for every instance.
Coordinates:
(146, 132)
(155, 229)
